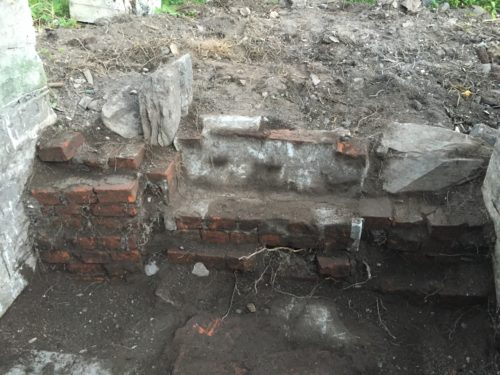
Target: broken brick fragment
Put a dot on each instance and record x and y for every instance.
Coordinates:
(239, 261)
(61, 147)
(336, 267)
(188, 222)
(80, 194)
(270, 239)
(129, 156)
(55, 256)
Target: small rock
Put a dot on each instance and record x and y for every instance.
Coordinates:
(477, 10)
(245, 12)
(486, 133)
(145, 70)
(251, 307)
(412, 6)
(485, 69)
(243, 82)
(31, 341)
(151, 268)
(274, 14)
(238, 311)
(133, 92)
(94, 105)
(444, 7)
(315, 79)
(200, 270)
(174, 49)
(88, 76)
(85, 102)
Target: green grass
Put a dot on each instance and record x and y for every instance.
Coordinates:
(51, 13)
(172, 7)
(491, 6)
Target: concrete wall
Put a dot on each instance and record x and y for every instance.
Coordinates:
(24, 110)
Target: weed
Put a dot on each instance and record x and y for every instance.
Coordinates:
(174, 7)
(51, 13)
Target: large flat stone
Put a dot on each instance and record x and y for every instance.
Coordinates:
(427, 158)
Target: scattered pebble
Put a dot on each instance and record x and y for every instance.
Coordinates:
(151, 268)
(200, 270)
(315, 79)
(251, 307)
(31, 341)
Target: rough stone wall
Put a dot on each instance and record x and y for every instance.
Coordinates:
(24, 110)
(491, 194)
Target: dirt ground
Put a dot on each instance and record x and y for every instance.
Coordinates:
(133, 330)
(333, 64)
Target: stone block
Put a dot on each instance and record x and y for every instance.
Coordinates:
(185, 68)
(160, 106)
(120, 113)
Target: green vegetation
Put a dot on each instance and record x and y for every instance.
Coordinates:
(491, 6)
(51, 13)
(174, 7)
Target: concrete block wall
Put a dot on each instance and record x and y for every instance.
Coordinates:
(24, 110)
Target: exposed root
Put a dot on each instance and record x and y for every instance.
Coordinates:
(381, 322)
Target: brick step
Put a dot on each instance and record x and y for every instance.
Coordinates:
(329, 223)
(237, 151)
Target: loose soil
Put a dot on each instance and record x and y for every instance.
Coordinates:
(374, 65)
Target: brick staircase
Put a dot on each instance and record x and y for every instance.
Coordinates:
(101, 209)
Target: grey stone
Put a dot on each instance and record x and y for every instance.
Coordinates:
(185, 67)
(484, 132)
(427, 158)
(120, 113)
(491, 195)
(200, 270)
(160, 106)
(308, 321)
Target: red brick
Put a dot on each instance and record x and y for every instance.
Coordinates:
(118, 190)
(220, 223)
(114, 210)
(351, 148)
(80, 194)
(270, 239)
(128, 156)
(70, 209)
(337, 267)
(211, 259)
(113, 223)
(248, 225)
(188, 222)
(214, 236)
(243, 237)
(60, 148)
(55, 256)
(302, 229)
(47, 196)
(87, 243)
(178, 256)
(94, 256)
(85, 268)
(132, 242)
(111, 242)
(126, 256)
(233, 261)
(69, 221)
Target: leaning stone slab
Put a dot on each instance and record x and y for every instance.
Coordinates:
(427, 158)
(120, 113)
(160, 106)
(185, 67)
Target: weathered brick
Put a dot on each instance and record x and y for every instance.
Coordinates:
(111, 242)
(352, 148)
(337, 236)
(60, 148)
(129, 156)
(87, 268)
(114, 224)
(214, 236)
(165, 171)
(302, 229)
(86, 243)
(220, 223)
(126, 256)
(94, 256)
(248, 225)
(270, 239)
(46, 195)
(336, 267)
(69, 221)
(80, 194)
(211, 259)
(243, 237)
(114, 210)
(188, 222)
(69, 209)
(235, 261)
(117, 190)
(55, 256)
(180, 256)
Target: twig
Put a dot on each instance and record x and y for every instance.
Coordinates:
(381, 322)
(235, 289)
(264, 249)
